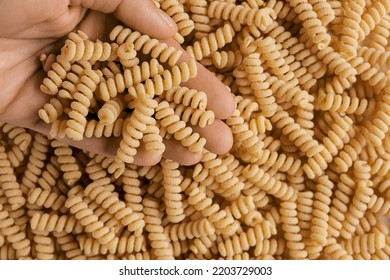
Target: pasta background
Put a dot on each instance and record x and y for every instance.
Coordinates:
(308, 176)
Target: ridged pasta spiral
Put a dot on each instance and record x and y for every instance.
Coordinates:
(198, 9)
(311, 24)
(350, 31)
(261, 18)
(68, 163)
(373, 16)
(78, 47)
(322, 201)
(198, 117)
(324, 11)
(54, 223)
(287, 88)
(335, 251)
(146, 44)
(116, 207)
(94, 128)
(69, 85)
(110, 111)
(50, 174)
(159, 241)
(125, 245)
(337, 134)
(43, 244)
(172, 191)
(9, 183)
(55, 76)
(268, 183)
(51, 110)
(360, 200)
(89, 220)
(14, 234)
(69, 246)
(36, 161)
(291, 230)
(368, 243)
(77, 122)
(180, 131)
(222, 222)
(136, 124)
(242, 242)
(187, 97)
(341, 103)
(130, 77)
(350, 152)
(47, 199)
(189, 230)
(228, 186)
(261, 88)
(212, 42)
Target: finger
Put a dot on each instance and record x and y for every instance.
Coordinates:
(142, 16)
(219, 99)
(177, 152)
(98, 25)
(219, 138)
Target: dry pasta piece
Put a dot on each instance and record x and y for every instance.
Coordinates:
(187, 97)
(212, 42)
(159, 241)
(373, 16)
(146, 44)
(38, 155)
(311, 24)
(351, 29)
(201, 118)
(267, 183)
(77, 122)
(9, 183)
(222, 221)
(167, 118)
(68, 163)
(43, 244)
(47, 199)
(360, 200)
(14, 234)
(78, 47)
(89, 220)
(243, 15)
(172, 191)
(56, 76)
(116, 207)
(110, 111)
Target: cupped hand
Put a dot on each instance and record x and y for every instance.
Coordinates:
(29, 28)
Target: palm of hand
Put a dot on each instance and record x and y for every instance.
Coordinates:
(40, 27)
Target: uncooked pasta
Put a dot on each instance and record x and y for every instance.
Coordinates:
(307, 176)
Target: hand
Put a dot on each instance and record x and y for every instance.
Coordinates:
(29, 28)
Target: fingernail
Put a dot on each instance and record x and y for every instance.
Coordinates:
(167, 18)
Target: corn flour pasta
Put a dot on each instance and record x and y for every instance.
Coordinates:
(308, 176)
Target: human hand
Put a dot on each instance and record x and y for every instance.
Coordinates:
(29, 28)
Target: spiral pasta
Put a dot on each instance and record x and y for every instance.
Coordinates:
(243, 15)
(180, 131)
(145, 44)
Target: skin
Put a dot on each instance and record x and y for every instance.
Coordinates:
(29, 28)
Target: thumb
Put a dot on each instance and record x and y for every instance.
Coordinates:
(142, 16)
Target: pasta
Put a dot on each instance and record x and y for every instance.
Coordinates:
(307, 176)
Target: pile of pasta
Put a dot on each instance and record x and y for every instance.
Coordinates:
(308, 174)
